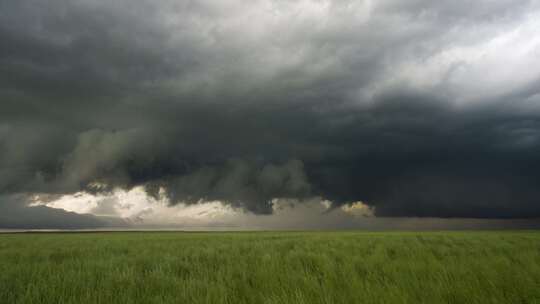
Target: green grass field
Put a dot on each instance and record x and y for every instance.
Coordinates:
(271, 267)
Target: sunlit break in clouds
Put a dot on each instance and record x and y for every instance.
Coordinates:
(269, 114)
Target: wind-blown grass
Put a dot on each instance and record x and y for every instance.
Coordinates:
(271, 267)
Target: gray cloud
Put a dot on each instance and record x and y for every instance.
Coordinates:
(242, 184)
(417, 108)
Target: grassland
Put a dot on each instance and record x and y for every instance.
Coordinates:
(271, 267)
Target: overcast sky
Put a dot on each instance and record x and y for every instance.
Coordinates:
(126, 112)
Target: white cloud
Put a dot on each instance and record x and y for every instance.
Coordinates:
(145, 211)
(483, 71)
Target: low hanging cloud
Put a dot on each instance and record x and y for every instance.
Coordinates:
(433, 114)
(15, 213)
(144, 212)
(242, 184)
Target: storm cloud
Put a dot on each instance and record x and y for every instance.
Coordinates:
(418, 108)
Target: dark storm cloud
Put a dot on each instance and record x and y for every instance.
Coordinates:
(242, 183)
(415, 108)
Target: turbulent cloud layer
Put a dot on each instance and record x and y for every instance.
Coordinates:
(418, 108)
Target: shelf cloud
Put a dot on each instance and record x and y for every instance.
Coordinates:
(417, 109)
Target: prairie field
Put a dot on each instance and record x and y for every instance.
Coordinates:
(270, 267)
